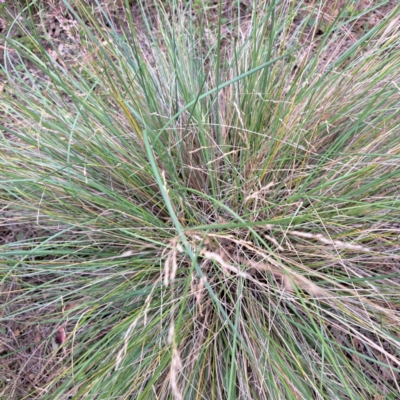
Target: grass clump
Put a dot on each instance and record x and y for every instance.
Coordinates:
(198, 211)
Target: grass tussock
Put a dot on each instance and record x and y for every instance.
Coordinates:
(203, 207)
